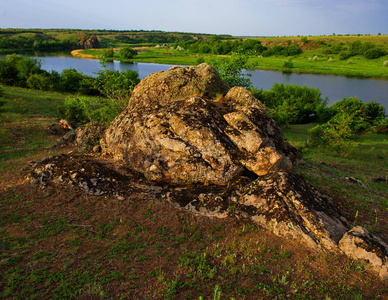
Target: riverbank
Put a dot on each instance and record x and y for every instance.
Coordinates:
(307, 62)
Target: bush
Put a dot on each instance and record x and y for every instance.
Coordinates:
(200, 60)
(315, 58)
(39, 82)
(117, 86)
(127, 53)
(364, 116)
(293, 103)
(8, 73)
(374, 53)
(344, 55)
(334, 135)
(385, 63)
(71, 80)
(107, 53)
(230, 69)
(288, 64)
(77, 109)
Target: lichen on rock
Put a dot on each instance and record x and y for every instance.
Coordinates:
(178, 128)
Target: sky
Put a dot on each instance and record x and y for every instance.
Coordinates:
(234, 17)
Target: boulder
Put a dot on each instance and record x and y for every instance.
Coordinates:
(88, 42)
(289, 206)
(359, 244)
(85, 138)
(179, 128)
(162, 88)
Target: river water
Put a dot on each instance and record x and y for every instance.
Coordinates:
(334, 88)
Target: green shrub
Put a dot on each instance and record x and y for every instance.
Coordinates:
(385, 63)
(344, 55)
(39, 82)
(315, 58)
(364, 116)
(8, 73)
(374, 110)
(71, 80)
(107, 53)
(200, 60)
(77, 109)
(117, 86)
(293, 103)
(374, 53)
(288, 64)
(334, 135)
(230, 69)
(127, 53)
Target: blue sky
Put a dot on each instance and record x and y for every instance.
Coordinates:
(235, 17)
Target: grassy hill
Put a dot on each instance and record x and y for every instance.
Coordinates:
(61, 243)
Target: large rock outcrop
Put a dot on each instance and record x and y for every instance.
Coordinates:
(181, 128)
(88, 42)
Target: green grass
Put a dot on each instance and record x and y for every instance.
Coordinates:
(328, 171)
(63, 244)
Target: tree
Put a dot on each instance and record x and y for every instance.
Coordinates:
(107, 54)
(127, 53)
(230, 69)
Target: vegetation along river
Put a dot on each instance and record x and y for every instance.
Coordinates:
(334, 87)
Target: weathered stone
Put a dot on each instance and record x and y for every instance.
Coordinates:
(354, 180)
(289, 206)
(85, 138)
(88, 42)
(169, 135)
(359, 244)
(161, 88)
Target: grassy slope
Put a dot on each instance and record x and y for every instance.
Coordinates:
(59, 243)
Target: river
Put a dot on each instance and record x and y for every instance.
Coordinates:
(334, 88)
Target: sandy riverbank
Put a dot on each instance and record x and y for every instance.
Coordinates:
(77, 52)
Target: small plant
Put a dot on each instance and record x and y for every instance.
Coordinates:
(288, 64)
(330, 59)
(200, 60)
(385, 63)
(350, 62)
(315, 58)
(334, 135)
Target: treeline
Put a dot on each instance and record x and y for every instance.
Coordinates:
(62, 39)
(35, 43)
(152, 38)
(113, 87)
(218, 46)
(27, 72)
(367, 49)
